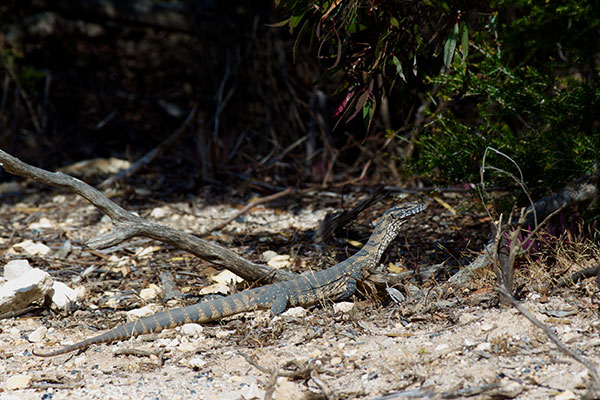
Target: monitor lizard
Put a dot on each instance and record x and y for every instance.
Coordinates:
(335, 283)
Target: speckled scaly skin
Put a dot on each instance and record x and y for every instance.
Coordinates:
(333, 283)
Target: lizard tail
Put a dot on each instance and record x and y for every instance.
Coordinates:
(195, 313)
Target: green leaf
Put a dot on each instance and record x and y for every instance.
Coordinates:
(367, 112)
(298, 38)
(279, 24)
(362, 100)
(450, 47)
(399, 70)
(295, 20)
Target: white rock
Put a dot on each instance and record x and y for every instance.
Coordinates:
(138, 313)
(81, 291)
(16, 268)
(485, 346)
(570, 337)
(167, 342)
(63, 296)
(442, 347)
(468, 343)
(566, 395)
(343, 307)
(192, 330)
(295, 312)
(59, 198)
(335, 361)
(158, 212)
(279, 261)
(594, 342)
(30, 247)
(222, 283)
(222, 333)
(216, 288)
(581, 379)
(226, 277)
(268, 255)
(288, 390)
(8, 396)
(187, 347)
(16, 382)
(507, 390)
(42, 223)
(252, 392)
(29, 288)
(38, 335)
(315, 353)
(151, 292)
(196, 363)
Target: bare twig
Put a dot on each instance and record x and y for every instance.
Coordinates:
(46, 101)
(127, 225)
(34, 117)
(252, 204)
(152, 154)
(591, 272)
(316, 378)
(519, 181)
(581, 191)
(300, 371)
(595, 384)
(507, 261)
(267, 161)
(220, 104)
(16, 313)
(332, 222)
(507, 249)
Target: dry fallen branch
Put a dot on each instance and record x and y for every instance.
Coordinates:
(292, 369)
(578, 276)
(579, 192)
(594, 387)
(127, 225)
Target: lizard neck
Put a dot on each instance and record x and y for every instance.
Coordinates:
(380, 239)
(368, 257)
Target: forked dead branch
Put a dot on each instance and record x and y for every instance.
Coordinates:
(127, 225)
(337, 282)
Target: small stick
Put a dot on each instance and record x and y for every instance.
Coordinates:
(591, 367)
(591, 272)
(254, 203)
(16, 313)
(34, 117)
(152, 154)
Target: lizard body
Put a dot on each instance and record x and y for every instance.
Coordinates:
(336, 282)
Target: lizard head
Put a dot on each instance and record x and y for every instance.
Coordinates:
(404, 210)
(397, 215)
(388, 226)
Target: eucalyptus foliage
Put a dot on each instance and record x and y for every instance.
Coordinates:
(518, 76)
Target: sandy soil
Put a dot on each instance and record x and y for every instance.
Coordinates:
(430, 346)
